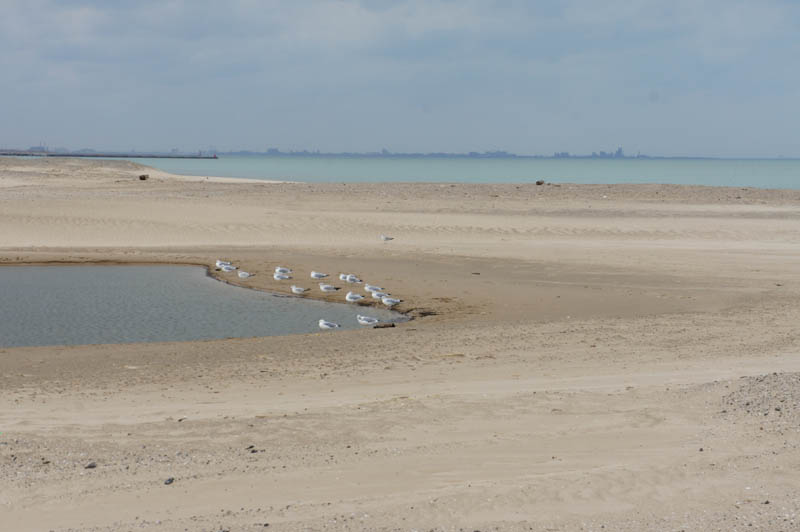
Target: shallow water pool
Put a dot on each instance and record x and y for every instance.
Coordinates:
(74, 305)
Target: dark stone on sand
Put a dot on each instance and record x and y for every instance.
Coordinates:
(540, 182)
(384, 326)
(169, 481)
(144, 177)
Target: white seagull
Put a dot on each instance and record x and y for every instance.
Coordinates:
(372, 288)
(281, 269)
(353, 279)
(318, 275)
(245, 275)
(390, 301)
(386, 238)
(327, 287)
(228, 268)
(298, 290)
(352, 297)
(221, 263)
(343, 276)
(323, 324)
(280, 276)
(378, 295)
(366, 320)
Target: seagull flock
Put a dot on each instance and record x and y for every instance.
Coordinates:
(284, 274)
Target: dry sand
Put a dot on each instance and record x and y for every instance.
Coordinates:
(618, 357)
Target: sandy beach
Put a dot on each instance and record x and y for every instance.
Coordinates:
(581, 357)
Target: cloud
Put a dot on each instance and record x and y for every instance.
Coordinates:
(538, 77)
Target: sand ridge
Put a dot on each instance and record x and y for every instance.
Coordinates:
(573, 350)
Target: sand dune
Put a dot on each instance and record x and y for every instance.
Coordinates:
(581, 357)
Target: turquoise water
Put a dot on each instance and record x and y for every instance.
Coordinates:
(763, 173)
(75, 305)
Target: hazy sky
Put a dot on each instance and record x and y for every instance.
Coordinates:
(677, 77)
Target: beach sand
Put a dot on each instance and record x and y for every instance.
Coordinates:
(582, 357)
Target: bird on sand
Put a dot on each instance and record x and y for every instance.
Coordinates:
(352, 297)
(298, 290)
(324, 324)
(386, 238)
(280, 276)
(390, 301)
(281, 269)
(318, 275)
(245, 275)
(327, 287)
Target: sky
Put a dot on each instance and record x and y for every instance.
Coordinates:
(679, 77)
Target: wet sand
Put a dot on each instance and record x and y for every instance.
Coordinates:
(581, 356)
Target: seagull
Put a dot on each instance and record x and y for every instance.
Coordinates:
(281, 269)
(318, 275)
(390, 301)
(367, 320)
(343, 276)
(280, 276)
(386, 238)
(372, 288)
(228, 268)
(245, 275)
(327, 287)
(352, 297)
(353, 279)
(378, 295)
(221, 263)
(323, 324)
(298, 290)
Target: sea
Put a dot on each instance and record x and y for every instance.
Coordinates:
(760, 173)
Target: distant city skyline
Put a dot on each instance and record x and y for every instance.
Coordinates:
(619, 153)
(681, 78)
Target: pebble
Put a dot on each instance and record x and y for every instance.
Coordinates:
(169, 481)
(91, 465)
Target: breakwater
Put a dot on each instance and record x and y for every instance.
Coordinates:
(25, 153)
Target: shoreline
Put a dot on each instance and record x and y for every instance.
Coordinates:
(557, 184)
(771, 192)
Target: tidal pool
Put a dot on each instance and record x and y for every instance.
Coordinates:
(75, 305)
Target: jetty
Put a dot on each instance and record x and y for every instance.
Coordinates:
(31, 153)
